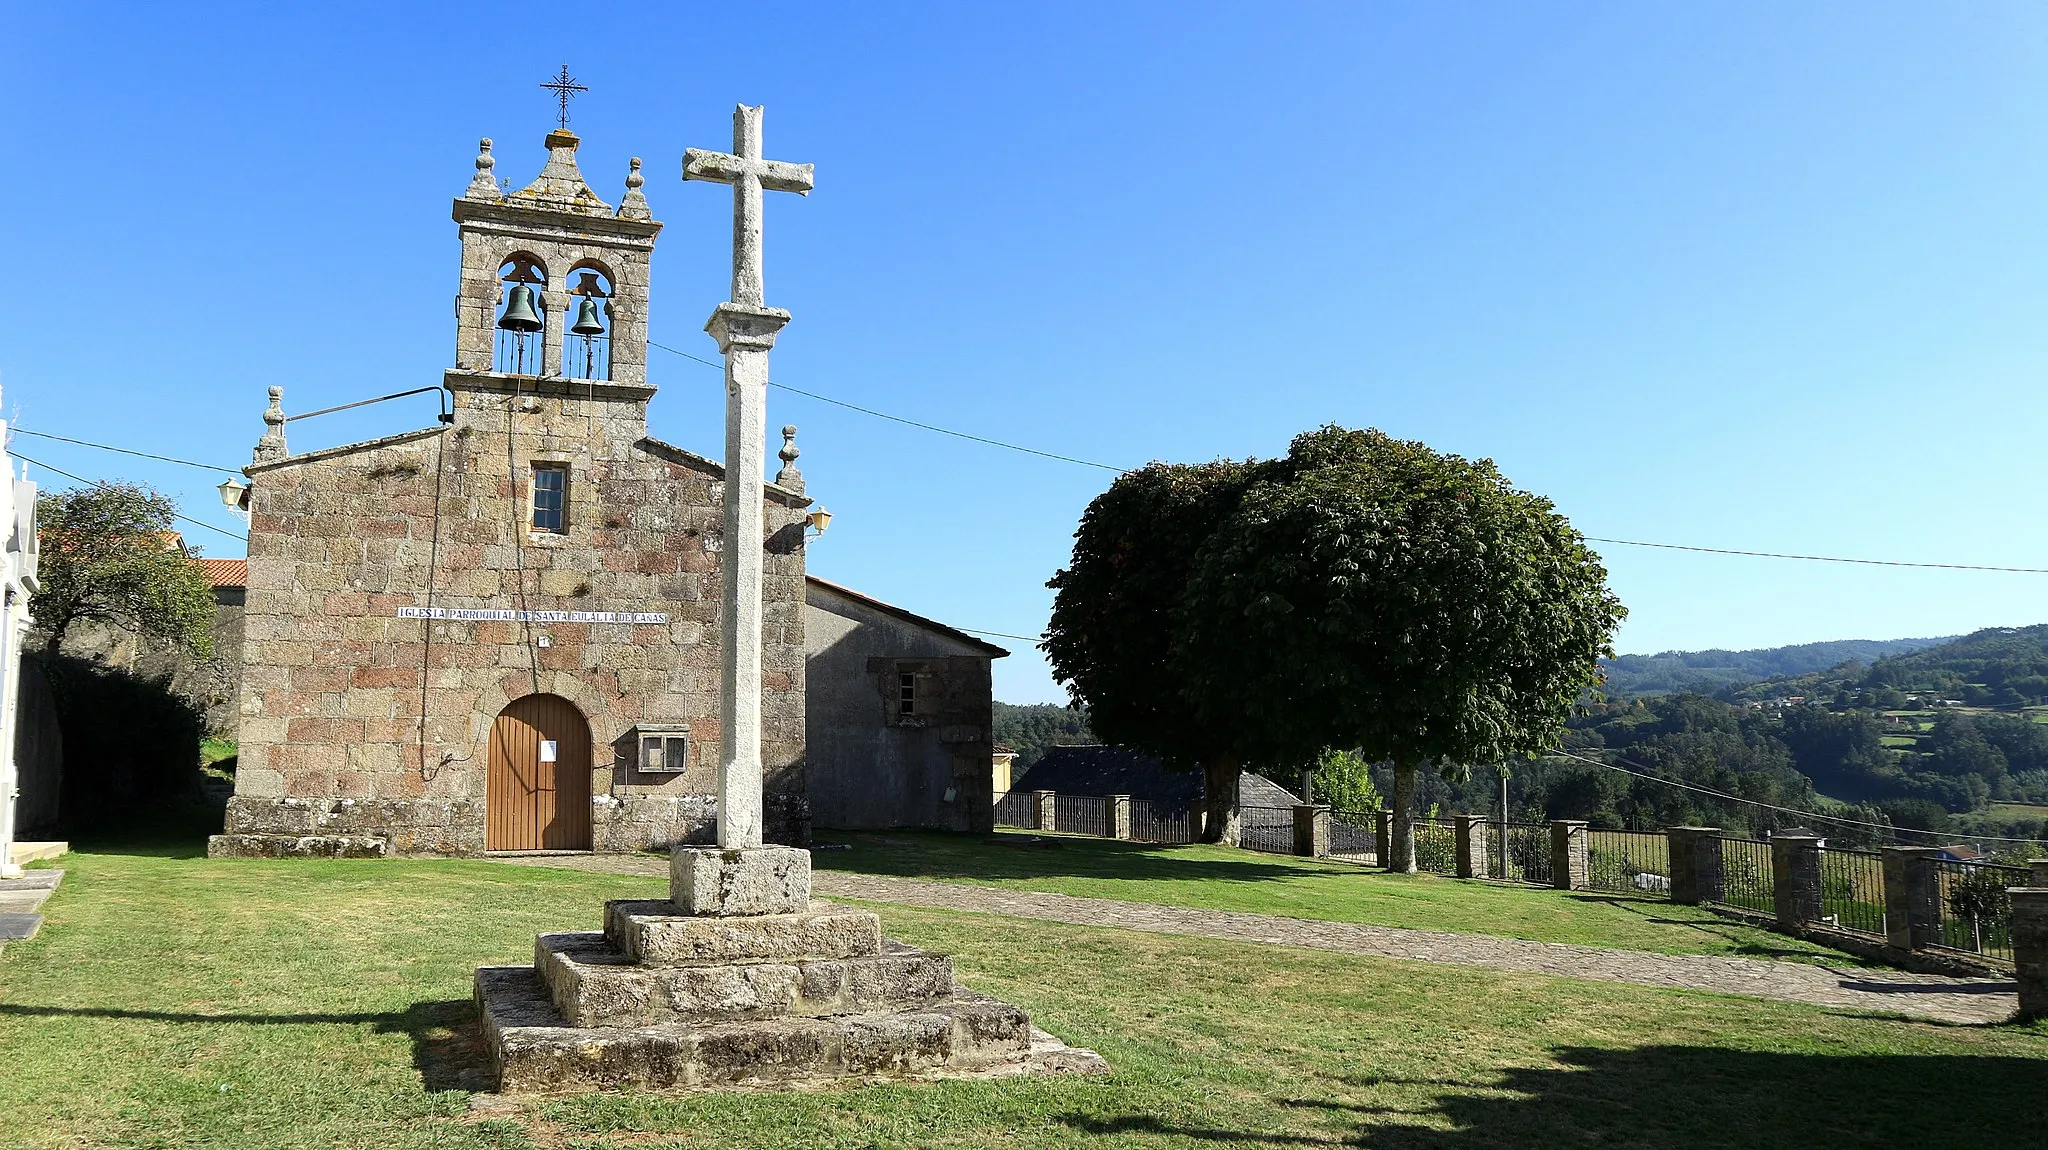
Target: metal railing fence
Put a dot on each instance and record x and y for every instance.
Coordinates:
(1630, 861)
(1016, 809)
(1269, 829)
(1746, 879)
(1436, 846)
(1354, 837)
(1852, 890)
(1080, 815)
(1524, 857)
(1975, 908)
(1150, 825)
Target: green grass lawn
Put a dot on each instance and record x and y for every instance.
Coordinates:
(1222, 878)
(185, 1002)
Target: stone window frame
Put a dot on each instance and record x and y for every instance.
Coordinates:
(915, 682)
(672, 737)
(534, 509)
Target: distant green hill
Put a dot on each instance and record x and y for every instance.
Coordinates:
(2002, 667)
(1672, 672)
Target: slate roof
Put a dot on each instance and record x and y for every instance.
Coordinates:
(1116, 771)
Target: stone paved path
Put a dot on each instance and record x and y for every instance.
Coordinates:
(1967, 1000)
(20, 899)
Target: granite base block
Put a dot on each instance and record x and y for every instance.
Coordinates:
(240, 846)
(747, 881)
(533, 1050)
(592, 983)
(655, 934)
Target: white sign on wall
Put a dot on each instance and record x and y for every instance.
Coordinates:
(493, 615)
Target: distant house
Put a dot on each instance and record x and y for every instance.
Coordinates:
(1100, 770)
(1959, 853)
(1001, 760)
(1797, 832)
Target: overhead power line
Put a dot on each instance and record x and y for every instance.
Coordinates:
(905, 422)
(1123, 470)
(1821, 558)
(1000, 634)
(122, 450)
(104, 484)
(1640, 774)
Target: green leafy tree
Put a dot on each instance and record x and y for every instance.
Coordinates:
(108, 554)
(1370, 592)
(1362, 592)
(1112, 632)
(1343, 781)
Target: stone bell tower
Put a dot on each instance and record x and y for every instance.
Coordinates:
(582, 265)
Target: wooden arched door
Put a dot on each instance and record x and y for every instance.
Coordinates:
(538, 795)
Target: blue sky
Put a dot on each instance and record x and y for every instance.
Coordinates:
(1746, 276)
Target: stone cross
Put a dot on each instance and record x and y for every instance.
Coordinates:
(748, 173)
(745, 330)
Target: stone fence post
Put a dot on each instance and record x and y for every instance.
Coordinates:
(1795, 878)
(1383, 836)
(1568, 854)
(1695, 864)
(1116, 816)
(1042, 817)
(1311, 830)
(2040, 869)
(1470, 832)
(2030, 947)
(1912, 897)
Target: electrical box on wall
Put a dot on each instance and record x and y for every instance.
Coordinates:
(657, 748)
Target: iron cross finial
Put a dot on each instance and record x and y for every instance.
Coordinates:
(565, 86)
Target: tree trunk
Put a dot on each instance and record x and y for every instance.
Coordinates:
(1401, 843)
(1219, 800)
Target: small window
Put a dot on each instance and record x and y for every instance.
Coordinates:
(906, 694)
(550, 497)
(664, 754)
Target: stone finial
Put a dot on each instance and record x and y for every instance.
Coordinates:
(789, 476)
(483, 186)
(634, 205)
(270, 448)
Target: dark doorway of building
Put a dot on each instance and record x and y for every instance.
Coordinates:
(539, 782)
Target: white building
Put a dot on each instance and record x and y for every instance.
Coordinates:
(17, 583)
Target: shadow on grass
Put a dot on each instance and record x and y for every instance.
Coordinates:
(1671, 1096)
(1738, 935)
(142, 846)
(447, 1047)
(933, 854)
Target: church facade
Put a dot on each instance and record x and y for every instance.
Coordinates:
(501, 633)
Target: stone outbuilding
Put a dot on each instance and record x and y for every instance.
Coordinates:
(898, 715)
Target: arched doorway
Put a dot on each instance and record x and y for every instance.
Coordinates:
(538, 788)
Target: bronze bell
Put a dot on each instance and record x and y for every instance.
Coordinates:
(587, 324)
(519, 314)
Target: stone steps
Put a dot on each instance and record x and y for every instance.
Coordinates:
(23, 853)
(535, 1051)
(20, 900)
(593, 983)
(739, 979)
(657, 933)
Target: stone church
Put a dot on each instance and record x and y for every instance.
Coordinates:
(500, 633)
